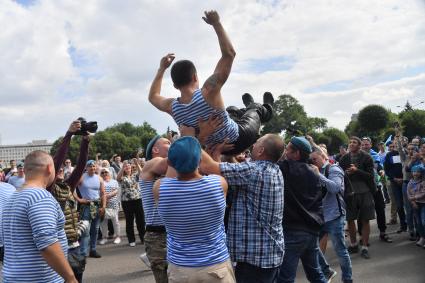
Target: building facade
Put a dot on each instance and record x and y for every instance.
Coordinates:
(19, 151)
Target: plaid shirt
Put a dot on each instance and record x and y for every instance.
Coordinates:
(255, 233)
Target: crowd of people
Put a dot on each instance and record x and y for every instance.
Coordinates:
(216, 203)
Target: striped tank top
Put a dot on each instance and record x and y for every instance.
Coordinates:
(90, 187)
(189, 114)
(149, 208)
(193, 213)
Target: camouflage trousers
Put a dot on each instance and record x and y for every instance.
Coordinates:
(156, 251)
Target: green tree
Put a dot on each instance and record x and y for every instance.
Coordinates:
(123, 138)
(353, 129)
(413, 123)
(335, 138)
(290, 115)
(373, 119)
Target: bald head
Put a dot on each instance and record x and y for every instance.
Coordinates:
(273, 147)
(38, 164)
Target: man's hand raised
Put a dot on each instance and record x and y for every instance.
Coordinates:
(211, 17)
(74, 127)
(166, 61)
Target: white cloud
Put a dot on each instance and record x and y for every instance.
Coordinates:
(372, 46)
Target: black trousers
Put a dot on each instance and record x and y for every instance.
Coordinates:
(378, 198)
(133, 209)
(249, 122)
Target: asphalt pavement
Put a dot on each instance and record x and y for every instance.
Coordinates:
(397, 262)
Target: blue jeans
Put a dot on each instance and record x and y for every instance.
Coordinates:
(420, 219)
(408, 208)
(90, 234)
(305, 246)
(398, 194)
(247, 273)
(335, 230)
(74, 255)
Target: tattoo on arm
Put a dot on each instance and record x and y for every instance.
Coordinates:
(211, 82)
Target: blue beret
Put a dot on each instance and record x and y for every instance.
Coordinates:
(301, 143)
(90, 162)
(150, 145)
(185, 154)
(418, 168)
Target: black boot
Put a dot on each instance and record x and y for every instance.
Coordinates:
(247, 99)
(234, 113)
(268, 98)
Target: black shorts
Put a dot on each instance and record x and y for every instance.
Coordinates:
(361, 207)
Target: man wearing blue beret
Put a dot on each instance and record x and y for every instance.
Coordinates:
(303, 214)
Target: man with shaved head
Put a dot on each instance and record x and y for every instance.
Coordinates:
(33, 228)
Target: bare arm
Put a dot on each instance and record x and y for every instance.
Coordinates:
(120, 173)
(161, 102)
(209, 165)
(213, 84)
(102, 193)
(139, 168)
(55, 258)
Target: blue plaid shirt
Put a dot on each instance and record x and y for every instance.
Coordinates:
(255, 233)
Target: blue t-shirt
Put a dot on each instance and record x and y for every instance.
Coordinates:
(6, 191)
(16, 181)
(32, 221)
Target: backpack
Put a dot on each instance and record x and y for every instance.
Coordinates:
(348, 188)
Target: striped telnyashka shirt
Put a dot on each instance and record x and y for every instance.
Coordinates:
(32, 221)
(193, 214)
(149, 208)
(189, 114)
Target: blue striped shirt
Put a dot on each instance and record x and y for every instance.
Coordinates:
(6, 191)
(189, 114)
(193, 214)
(149, 208)
(32, 221)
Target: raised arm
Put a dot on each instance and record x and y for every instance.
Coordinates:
(161, 102)
(213, 84)
(75, 176)
(60, 154)
(209, 165)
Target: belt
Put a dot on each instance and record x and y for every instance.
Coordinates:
(153, 228)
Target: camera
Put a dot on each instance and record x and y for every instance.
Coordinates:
(86, 127)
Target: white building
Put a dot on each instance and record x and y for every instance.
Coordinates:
(19, 151)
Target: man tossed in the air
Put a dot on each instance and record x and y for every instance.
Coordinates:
(197, 103)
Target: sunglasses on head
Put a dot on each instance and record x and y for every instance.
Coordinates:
(104, 172)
